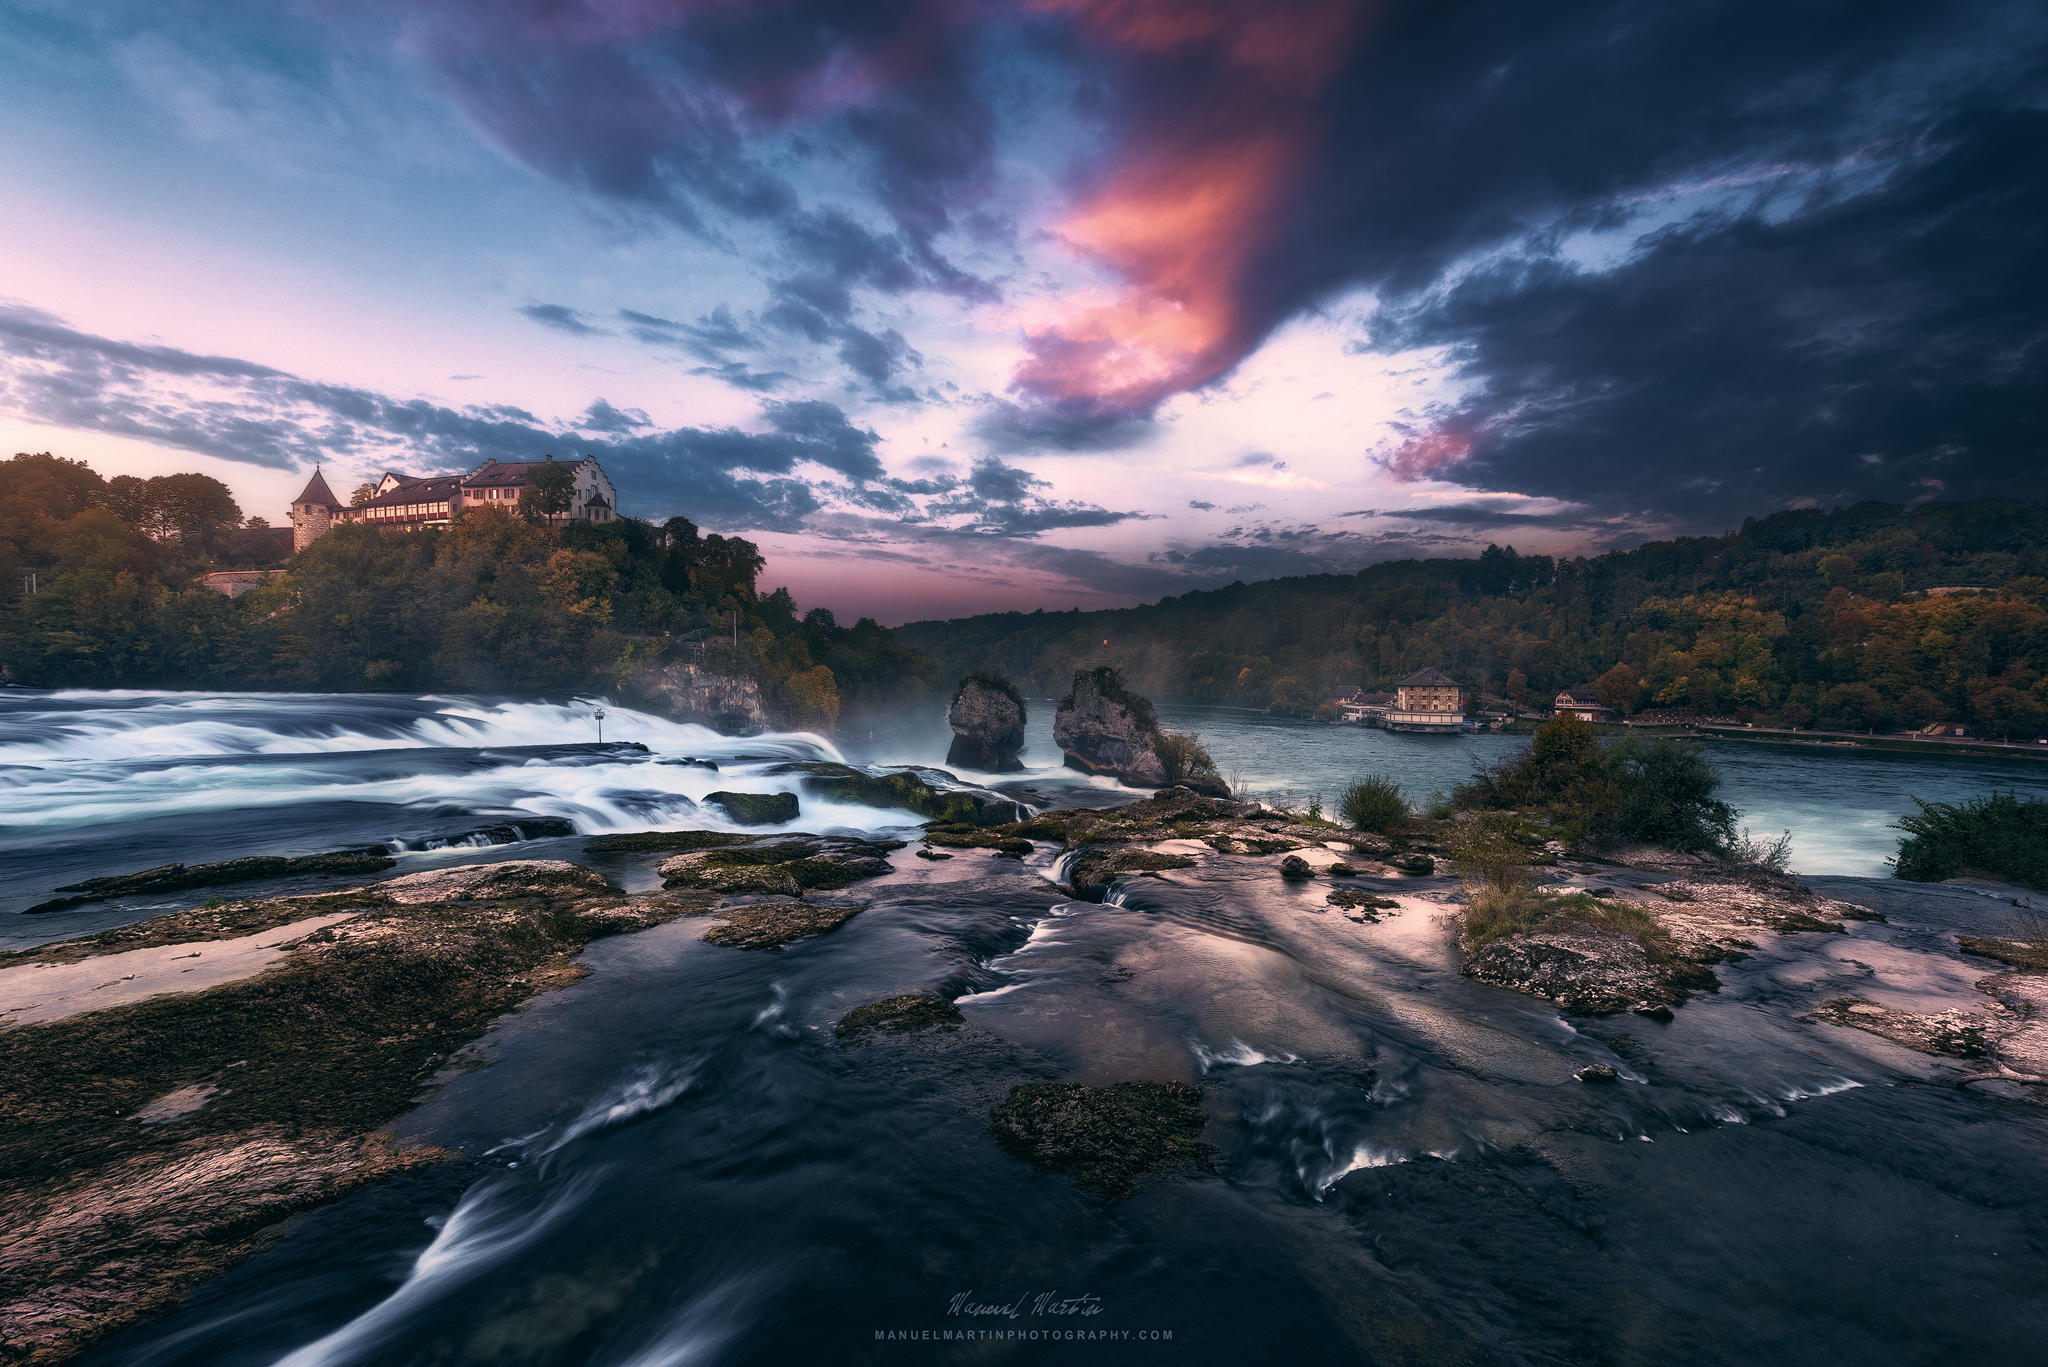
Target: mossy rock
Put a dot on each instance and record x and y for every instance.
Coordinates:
(900, 1016)
(2028, 953)
(664, 842)
(905, 789)
(770, 925)
(1106, 1138)
(1100, 868)
(986, 839)
(1365, 904)
(183, 877)
(755, 809)
(790, 865)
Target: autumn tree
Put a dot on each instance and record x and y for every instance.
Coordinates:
(550, 490)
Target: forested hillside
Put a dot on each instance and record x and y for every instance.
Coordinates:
(1801, 617)
(493, 603)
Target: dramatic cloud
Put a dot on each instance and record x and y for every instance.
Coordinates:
(1879, 341)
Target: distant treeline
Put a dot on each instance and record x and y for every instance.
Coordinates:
(1802, 618)
(492, 603)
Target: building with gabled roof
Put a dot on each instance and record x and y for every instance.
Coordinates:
(1427, 700)
(1583, 703)
(411, 502)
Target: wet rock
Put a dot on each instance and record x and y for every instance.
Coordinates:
(1590, 957)
(1104, 728)
(1659, 1013)
(907, 789)
(1360, 906)
(1295, 869)
(184, 877)
(929, 853)
(789, 865)
(770, 925)
(964, 837)
(1341, 870)
(2020, 953)
(1949, 1034)
(512, 878)
(1097, 869)
(755, 809)
(987, 717)
(1415, 865)
(664, 842)
(900, 1016)
(1106, 1138)
(1597, 1073)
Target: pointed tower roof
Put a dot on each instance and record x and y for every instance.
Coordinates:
(317, 493)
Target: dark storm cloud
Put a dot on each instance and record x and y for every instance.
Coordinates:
(561, 318)
(1888, 341)
(702, 114)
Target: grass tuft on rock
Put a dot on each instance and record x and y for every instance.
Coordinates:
(1107, 1138)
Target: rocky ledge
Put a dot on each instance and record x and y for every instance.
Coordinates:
(147, 1145)
(1597, 945)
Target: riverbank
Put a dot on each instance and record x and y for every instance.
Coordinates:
(213, 1115)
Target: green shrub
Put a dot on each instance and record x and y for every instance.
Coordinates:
(1374, 803)
(1183, 757)
(2001, 835)
(1659, 791)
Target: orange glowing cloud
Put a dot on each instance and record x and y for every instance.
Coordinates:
(1191, 205)
(1180, 230)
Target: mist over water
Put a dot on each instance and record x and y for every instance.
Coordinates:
(673, 1161)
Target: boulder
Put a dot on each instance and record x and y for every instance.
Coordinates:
(987, 717)
(909, 789)
(1103, 728)
(754, 809)
(1294, 868)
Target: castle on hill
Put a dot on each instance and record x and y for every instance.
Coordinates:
(409, 502)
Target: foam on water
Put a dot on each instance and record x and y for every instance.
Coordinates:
(77, 761)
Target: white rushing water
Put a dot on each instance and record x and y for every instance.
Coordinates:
(79, 760)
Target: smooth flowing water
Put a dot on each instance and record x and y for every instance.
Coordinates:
(673, 1162)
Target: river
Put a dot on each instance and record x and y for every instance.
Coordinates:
(670, 1162)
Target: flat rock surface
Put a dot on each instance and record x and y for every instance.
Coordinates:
(36, 992)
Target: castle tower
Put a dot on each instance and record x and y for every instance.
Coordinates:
(313, 512)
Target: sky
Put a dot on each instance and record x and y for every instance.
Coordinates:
(956, 306)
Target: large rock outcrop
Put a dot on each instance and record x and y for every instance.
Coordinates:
(987, 717)
(687, 691)
(1104, 728)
